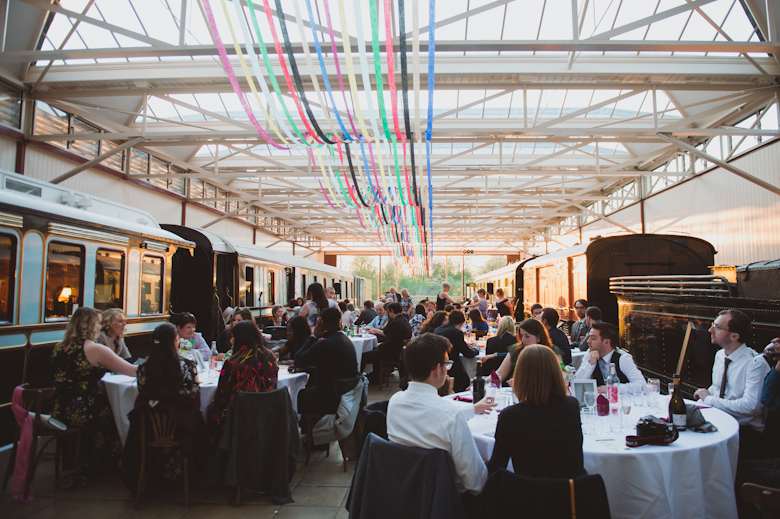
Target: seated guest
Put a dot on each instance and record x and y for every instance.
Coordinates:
(550, 321)
(419, 417)
(603, 339)
(536, 310)
(278, 317)
(478, 324)
(113, 326)
(737, 378)
(327, 356)
(367, 314)
(347, 314)
(452, 332)
(433, 322)
(530, 332)
(330, 293)
(223, 341)
(251, 368)
(407, 303)
(592, 315)
(79, 363)
(765, 471)
(417, 319)
(503, 305)
(506, 336)
(580, 328)
(542, 433)
(293, 305)
(430, 308)
(396, 331)
(169, 379)
(186, 322)
(449, 308)
(317, 302)
(378, 322)
(298, 332)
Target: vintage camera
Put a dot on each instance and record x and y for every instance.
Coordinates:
(652, 431)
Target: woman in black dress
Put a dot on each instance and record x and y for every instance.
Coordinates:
(541, 434)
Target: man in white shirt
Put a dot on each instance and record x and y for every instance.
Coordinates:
(737, 378)
(378, 322)
(419, 417)
(602, 340)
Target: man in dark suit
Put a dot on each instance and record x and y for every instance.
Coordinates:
(367, 315)
(327, 357)
(452, 331)
(550, 321)
(580, 328)
(396, 331)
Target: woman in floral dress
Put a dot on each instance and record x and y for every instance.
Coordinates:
(79, 364)
(251, 368)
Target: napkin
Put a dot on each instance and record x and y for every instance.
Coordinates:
(463, 398)
(494, 379)
(602, 405)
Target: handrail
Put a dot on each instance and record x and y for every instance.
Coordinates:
(700, 284)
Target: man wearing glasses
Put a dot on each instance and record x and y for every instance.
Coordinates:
(737, 378)
(580, 328)
(419, 417)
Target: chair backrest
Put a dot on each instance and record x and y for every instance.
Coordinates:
(393, 480)
(162, 428)
(277, 332)
(33, 399)
(480, 333)
(767, 498)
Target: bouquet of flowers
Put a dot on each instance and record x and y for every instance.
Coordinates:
(185, 345)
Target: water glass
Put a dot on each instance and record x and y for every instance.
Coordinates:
(654, 385)
(626, 402)
(590, 400)
(588, 422)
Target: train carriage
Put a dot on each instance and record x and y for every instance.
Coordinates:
(60, 250)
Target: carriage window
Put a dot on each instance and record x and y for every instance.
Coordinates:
(64, 280)
(109, 279)
(271, 287)
(7, 278)
(249, 279)
(151, 285)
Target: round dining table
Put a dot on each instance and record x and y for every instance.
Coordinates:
(691, 478)
(123, 390)
(364, 343)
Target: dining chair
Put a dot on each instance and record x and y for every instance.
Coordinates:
(766, 497)
(163, 434)
(386, 367)
(309, 421)
(44, 427)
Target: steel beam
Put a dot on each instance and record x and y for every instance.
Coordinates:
(97, 160)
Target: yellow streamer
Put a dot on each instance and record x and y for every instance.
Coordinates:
(351, 69)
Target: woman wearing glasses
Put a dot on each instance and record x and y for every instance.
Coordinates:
(185, 323)
(542, 433)
(112, 332)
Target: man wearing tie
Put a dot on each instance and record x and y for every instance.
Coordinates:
(602, 340)
(737, 379)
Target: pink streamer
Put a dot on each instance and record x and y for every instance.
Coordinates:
(22, 463)
(232, 77)
(338, 68)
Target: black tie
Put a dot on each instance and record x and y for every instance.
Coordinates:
(725, 378)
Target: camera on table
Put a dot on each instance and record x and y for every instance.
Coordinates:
(652, 431)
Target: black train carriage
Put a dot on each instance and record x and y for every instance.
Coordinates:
(655, 312)
(223, 273)
(559, 279)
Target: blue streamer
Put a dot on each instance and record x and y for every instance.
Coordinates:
(368, 171)
(325, 72)
(431, 77)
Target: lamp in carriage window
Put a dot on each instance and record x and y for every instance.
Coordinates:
(65, 294)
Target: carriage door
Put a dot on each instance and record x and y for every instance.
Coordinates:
(271, 287)
(290, 278)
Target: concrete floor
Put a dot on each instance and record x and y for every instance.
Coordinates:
(320, 491)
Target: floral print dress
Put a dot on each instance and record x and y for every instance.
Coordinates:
(78, 402)
(253, 370)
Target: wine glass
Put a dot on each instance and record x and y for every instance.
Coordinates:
(590, 416)
(590, 400)
(655, 389)
(626, 401)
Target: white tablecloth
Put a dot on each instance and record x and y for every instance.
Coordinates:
(363, 344)
(691, 478)
(122, 392)
(470, 365)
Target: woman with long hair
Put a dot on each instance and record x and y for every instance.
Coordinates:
(317, 302)
(542, 433)
(79, 363)
(478, 324)
(297, 332)
(278, 317)
(530, 332)
(438, 318)
(251, 368)
(503, 305)
(499, 346)
(112, 331)
(223, 341)
(417, 319)
(165, 375)
(185, 323)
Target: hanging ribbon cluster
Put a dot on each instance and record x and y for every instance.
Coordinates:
(365, 156)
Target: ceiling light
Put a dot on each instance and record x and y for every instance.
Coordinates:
(251, 170)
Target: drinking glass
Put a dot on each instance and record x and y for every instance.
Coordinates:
(588, 422)
(590, 400)
(626, 402)
(655, 390)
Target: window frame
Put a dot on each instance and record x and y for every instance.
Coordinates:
(82, 276)
(141, 284)
(123, 278)
(14, 281)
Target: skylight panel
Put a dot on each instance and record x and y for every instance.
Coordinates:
(157, 21)
(121, 14)
(600, 18)
(58, 29)
(162, 108)
(467, 97)
(453, 31)
(94, 37)
(577, 100)
(126, 41)
(486, 25)
(498, 107)
(210, 102)
(668, 28)
(737, 25)
(522, 20)
(699, 29)
(556, 23)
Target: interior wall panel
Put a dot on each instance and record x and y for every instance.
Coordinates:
(7, 153)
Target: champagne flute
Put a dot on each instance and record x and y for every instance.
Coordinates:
(590, 403)
(626, 401)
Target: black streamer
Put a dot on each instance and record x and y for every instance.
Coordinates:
(405, 92)
(296, 75)
(352, 171)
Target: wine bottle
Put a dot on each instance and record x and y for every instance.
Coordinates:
(677, 412)
(478, 384)
(612, 384)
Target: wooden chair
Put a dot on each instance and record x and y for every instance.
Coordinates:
(310, 420)
(765, 497)
(479, 333)
(163, 435)
(32, 400)
(386, 367)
